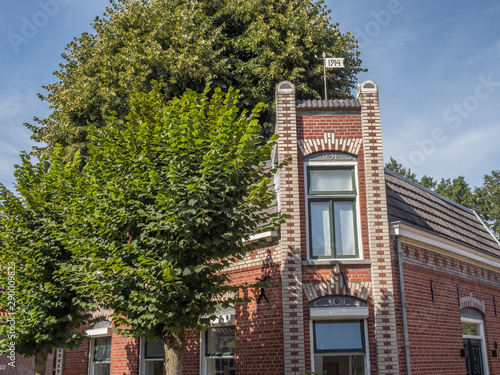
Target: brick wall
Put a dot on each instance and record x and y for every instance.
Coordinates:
(23, 365)
(192, 353)
(434, 327)
(259, 326)
(124, 355)
(76, 361)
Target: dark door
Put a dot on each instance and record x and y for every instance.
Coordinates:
(473, 357)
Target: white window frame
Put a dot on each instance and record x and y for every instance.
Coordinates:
(91, 350)
(143, 359)
(344, 317)
(203, 335)
(481, 337)
(95, 333)
(333, 164)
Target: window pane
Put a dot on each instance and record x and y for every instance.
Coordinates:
(102, 349)
(470, 329)
(221, 366)
(320, 229)
(330, 180)
(102, 368)
(154, 368)
(333, 336)
(154, 349)
(345, 243)
(221, 341)
(343, 364)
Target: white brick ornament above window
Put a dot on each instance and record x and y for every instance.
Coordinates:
(329, 143)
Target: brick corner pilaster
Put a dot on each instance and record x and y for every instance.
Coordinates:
(383, 288)
(286, 127)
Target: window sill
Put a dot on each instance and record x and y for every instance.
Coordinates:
(326, 262)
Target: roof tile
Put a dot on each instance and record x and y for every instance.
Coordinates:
(413, 204)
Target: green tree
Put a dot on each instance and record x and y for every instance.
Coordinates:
(393, 165)
(488, 201)
(457, 190)
(249, 44)
(162, 206)
(44, 311)
(428, 182)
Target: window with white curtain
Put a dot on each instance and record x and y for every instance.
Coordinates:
(100, 356)
(331, 196)
(219, 351)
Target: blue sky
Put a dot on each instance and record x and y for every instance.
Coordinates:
(436, 64)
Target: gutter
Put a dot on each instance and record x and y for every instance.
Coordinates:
(403, 307)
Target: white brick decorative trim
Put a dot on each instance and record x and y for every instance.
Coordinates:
(470, 301)
(330, 143)
(335, 286)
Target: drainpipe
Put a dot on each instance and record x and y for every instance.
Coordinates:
(403, 307)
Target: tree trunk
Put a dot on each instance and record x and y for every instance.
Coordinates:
(41, 361)
(173, 347)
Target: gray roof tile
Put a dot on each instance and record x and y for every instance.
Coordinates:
(413, 204)
(330, 103)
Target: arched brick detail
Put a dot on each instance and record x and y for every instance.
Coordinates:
(470, 301)
(102, 313)
(335, 286)
(329, 143)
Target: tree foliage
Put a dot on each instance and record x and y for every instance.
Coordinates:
(44, 312)
(485, 200)
(161, 206)
(249, 44)
(488, 201)
(457, 190)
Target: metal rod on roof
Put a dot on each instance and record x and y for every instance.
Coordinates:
(330, 62)
(324, 74)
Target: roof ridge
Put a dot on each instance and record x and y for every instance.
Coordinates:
(417, 185)
(327, 103)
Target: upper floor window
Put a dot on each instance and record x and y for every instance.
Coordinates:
(331, 196)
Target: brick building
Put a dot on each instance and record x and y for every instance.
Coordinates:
(372, 273)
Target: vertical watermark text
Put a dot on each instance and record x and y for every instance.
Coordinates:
(11, 291)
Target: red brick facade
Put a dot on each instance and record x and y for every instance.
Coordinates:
(276, 337)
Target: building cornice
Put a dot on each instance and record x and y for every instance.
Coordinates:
(444, 246)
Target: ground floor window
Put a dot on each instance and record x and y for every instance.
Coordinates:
(339, 347)
(220, 351)
(151, 357)
(101, 356)
(474, 345)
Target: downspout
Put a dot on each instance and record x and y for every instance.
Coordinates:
(403, 307)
